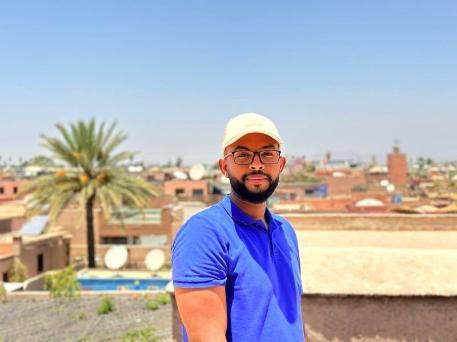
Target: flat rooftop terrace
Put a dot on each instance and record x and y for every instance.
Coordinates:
(356, 262)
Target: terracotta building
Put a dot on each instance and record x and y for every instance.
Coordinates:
(344, 183)
(139, 231)
(9, 189)
(196, 190)
(397, 167)
(37, 250)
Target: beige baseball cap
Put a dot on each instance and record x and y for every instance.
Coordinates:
(248, 123)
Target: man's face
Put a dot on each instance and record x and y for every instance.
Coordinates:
(254, 182)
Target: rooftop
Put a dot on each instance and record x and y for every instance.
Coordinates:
(379, 262)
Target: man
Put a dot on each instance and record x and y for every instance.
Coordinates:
(236, 266)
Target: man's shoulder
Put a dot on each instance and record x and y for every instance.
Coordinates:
(206, 225)
(282, 221)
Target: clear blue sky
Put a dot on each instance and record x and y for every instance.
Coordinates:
(343, 76)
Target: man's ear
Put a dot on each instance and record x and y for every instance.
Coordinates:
(282, 163)
(223, 167)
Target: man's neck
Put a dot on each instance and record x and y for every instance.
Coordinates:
(255, 210)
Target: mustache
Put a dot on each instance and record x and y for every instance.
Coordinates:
(256, 173)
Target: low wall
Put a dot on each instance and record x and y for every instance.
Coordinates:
(44, 295)
(35, 284)
(372, 318)
(388, 221)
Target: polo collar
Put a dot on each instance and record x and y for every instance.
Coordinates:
(239, 215)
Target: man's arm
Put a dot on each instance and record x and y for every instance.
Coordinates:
(203, 313)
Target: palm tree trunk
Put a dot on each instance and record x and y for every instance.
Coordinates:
(90, 231)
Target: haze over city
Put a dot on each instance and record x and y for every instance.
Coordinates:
(350, 77)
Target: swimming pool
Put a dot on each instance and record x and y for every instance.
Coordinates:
(115, 284)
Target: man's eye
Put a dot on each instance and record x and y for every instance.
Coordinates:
(268, 154)
(243, 155)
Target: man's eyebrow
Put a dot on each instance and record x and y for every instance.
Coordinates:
(269, 146)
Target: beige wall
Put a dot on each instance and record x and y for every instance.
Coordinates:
(371, 318)
(54, 249)
(391, 222)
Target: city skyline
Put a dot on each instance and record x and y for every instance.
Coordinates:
(347, 78)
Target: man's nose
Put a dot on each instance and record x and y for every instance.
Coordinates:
(256, 163)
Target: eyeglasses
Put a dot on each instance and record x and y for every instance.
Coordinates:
(245, 157)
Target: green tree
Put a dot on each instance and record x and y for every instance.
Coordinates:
(40, 161)
(93, 176)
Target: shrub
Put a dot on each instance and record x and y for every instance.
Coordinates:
(163, 298)
(82, 316)
(106, 306)
(62, 283)
(18, 273)
(85, 339)
(151, 304)
(140, 335)
(165, 267)
(2, 294)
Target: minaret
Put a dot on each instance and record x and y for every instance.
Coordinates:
(397, 167)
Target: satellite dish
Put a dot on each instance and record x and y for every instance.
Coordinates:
(116, 257)
(338, 174)
(180, 175)
(384, 182)
(369, 202)
(135, 168)
(154, 259)
(390, 188)
(197, 172)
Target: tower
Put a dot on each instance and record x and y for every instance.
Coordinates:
(397, 167)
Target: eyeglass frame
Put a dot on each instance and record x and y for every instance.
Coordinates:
(253, 156)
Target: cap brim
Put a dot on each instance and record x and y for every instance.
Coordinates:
(240, 135)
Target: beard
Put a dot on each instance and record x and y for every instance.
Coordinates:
(253, 196)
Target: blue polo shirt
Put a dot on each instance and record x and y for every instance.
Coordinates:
(260, 269)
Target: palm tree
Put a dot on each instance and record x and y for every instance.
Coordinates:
(92, 175)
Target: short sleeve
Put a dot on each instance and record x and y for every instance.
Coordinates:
(199, 255)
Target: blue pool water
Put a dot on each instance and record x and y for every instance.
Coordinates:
(113, 284)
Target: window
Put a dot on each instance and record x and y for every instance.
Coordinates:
(114, 240)
(309, 192)
(2, 190)
(15, 190)
(5, 277)
(197, 193)
(132, 240)
(40, 263)
(153, 240)
(179, 191)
